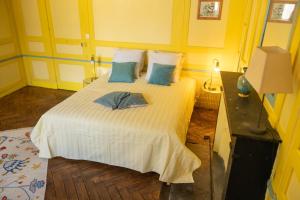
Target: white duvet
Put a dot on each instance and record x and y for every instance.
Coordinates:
(145, 139)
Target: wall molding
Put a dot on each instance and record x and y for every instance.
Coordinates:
(10, 58)
(85, 61)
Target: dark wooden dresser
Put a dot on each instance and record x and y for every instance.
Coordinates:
(248, 158)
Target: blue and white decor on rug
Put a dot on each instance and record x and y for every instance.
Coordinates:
(22, 173)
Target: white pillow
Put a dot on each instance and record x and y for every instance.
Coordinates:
(128, 55)
(103, 71)
(164, 58)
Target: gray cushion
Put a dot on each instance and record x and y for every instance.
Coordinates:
(122, 100)
(133, 100)
(112, 100)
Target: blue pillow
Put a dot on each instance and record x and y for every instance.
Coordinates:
(123, 72)
(162, 74)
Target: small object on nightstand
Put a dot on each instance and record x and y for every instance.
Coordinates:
(243, 85)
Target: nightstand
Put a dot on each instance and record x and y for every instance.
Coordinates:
(209, 98)
(88, 81)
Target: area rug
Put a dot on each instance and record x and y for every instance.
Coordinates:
(22, 173)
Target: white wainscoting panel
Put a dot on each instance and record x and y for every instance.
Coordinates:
(6, 49)
(40, 70)
(69, 49)
(36, 47)
(71, 73)
(11, 74)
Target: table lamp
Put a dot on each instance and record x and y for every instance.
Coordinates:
(270, 71)
(93, 62)
(215, 68)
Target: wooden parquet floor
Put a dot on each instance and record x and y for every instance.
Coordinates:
(72, 179)
(24, 107)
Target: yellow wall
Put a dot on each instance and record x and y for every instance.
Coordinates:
(99, 27)
(286, 180)
(277, 34)
(285, 115)
(11, 67)
(56, 46)
(286, 173)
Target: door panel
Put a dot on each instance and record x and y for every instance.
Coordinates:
(69, 30)
(8, 43)
(70, 38)
(32, 25)
(70, 74)
(40, 72)
(36, 47)
(73, 49)
(31, 17)
(291, 181)
(65, 24)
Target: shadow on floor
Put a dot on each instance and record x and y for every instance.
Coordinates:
(201, 189)
(205, 187)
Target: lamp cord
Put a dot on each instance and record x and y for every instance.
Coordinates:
(95, 73)
(211, 79)
(260, 112)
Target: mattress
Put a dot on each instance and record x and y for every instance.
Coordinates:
(144, 139)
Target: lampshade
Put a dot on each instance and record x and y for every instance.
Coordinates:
(270, 70)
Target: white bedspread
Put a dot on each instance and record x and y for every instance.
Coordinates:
(150, 138)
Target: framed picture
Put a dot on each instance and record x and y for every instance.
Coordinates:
(210, 9)
(282, 11)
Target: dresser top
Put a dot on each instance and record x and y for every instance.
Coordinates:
(243, 113)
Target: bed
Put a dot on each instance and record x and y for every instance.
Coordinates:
(144, 139)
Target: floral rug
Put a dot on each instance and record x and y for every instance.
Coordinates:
(22, 173)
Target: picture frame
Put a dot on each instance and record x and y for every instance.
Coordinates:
(282, 11)
(210, 9)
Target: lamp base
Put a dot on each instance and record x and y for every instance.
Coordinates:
(258, 130)
(243, 95)
(212, 88)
